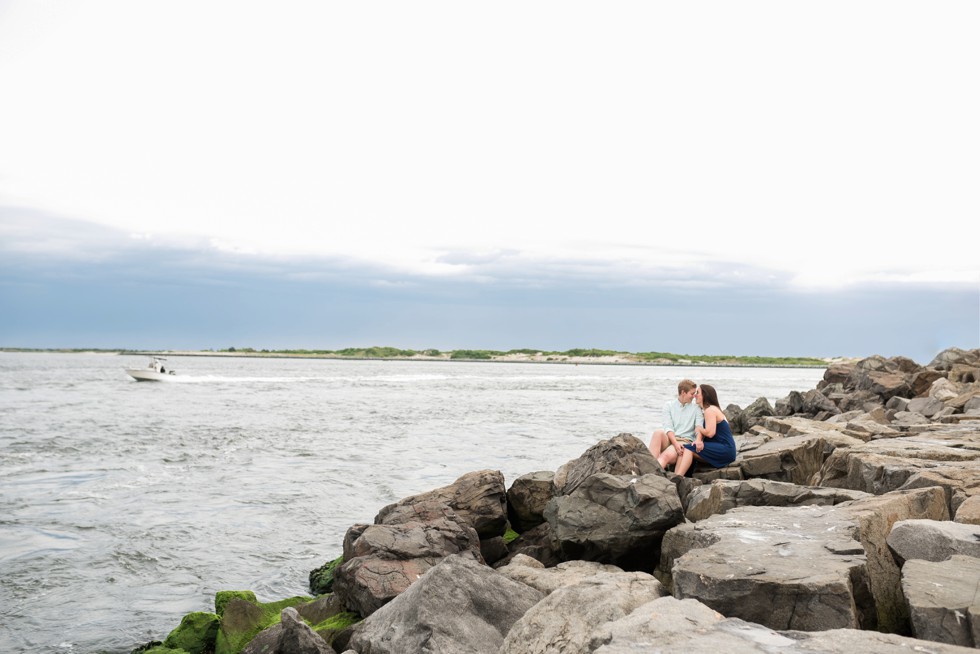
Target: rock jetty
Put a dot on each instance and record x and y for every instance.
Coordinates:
(850, 521)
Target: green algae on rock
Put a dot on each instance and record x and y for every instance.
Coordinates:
(321, 579)
(242, 619)
(196, 633)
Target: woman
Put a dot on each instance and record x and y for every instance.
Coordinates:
(719, 448)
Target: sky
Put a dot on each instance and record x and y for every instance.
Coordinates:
(752, 178)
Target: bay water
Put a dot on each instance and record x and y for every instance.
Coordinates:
(125, 505)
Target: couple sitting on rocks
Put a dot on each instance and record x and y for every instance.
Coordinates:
(694, 428)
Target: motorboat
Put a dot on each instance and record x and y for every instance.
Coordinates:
(155, 371)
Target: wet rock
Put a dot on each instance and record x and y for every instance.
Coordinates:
(933, 540)
(458, 606)
(566, 619)
(723, 496)
(621, 455)
(526, 499)
(942, 599)
(479, 498)
(615, 519)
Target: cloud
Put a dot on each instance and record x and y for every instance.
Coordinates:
(718, 139)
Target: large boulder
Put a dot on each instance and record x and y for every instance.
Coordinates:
(381, 561)
(933, 540)
(458, 607)
(721, 496)
(747, 563)
(671, 625)
(615, 519)
(527, 497)
(478, 498)
(623, 454)
(566, 619)
(942, 599)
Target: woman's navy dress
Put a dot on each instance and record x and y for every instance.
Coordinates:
(719, 450)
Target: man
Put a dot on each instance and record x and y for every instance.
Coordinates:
(680, 417)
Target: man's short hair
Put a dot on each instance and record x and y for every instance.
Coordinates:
(686, 386)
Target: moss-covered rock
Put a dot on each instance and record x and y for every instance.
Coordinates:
(329, 628)
(321, 579)
(196, 634)
(241, 620)
(222, 597)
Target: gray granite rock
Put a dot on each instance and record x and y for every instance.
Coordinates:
(615, 519)
(527, 497)
(533, 573)
(478, 498)
(458, 607)
(381, 561)
(566, 619)
(722, 496)
(671, 625)
(747, 563)
(942, 455)
(933, 540)
(944, 600)
(623, 454)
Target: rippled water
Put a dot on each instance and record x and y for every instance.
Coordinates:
(125, 505)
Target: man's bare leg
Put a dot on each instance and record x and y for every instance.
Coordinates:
(658, 443)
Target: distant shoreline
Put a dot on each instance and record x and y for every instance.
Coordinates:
(614, 359)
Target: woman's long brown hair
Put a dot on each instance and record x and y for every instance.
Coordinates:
(709, 396)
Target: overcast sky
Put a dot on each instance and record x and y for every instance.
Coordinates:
(711, 177)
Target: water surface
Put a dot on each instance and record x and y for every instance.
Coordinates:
(125, 505)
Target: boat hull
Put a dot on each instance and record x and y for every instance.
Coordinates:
(144, 374)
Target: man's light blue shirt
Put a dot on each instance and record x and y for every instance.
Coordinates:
(681, 419)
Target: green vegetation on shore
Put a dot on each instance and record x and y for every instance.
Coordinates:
(662, 358)
(575, 355)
